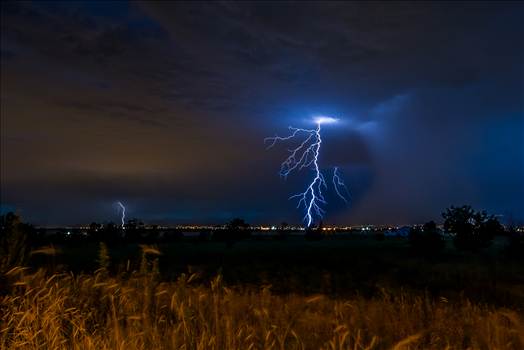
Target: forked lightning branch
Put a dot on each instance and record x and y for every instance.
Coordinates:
(306, 156)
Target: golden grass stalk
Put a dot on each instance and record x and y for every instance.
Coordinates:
(98, 311)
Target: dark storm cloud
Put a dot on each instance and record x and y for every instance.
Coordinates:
(165, 105)
(119, 110)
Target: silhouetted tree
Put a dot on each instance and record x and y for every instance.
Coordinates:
(237, 224)
(14, 241)
(427, 240)
(472, 230)
(235, 230)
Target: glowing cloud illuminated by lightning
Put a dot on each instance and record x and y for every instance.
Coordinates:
(306, 155)
(325, 120)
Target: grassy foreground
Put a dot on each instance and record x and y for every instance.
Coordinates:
(138, 311)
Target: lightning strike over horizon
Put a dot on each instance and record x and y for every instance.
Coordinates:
(306, 155)
(338, 184)
(123, 213)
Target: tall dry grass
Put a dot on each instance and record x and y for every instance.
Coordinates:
(137, 311)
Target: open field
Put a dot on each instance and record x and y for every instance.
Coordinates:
(64, 311)
(337, 293)
(334, 266)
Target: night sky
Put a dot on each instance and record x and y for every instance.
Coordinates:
(165, 106)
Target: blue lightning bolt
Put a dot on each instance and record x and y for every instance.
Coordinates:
(306, 155)
(339, 184)
(123, 213)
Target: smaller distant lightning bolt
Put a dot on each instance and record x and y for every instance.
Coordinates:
(123, 213)
(339, 184)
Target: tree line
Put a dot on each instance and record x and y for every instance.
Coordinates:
(470, 230)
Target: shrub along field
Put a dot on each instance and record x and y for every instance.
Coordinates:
(335, 293)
